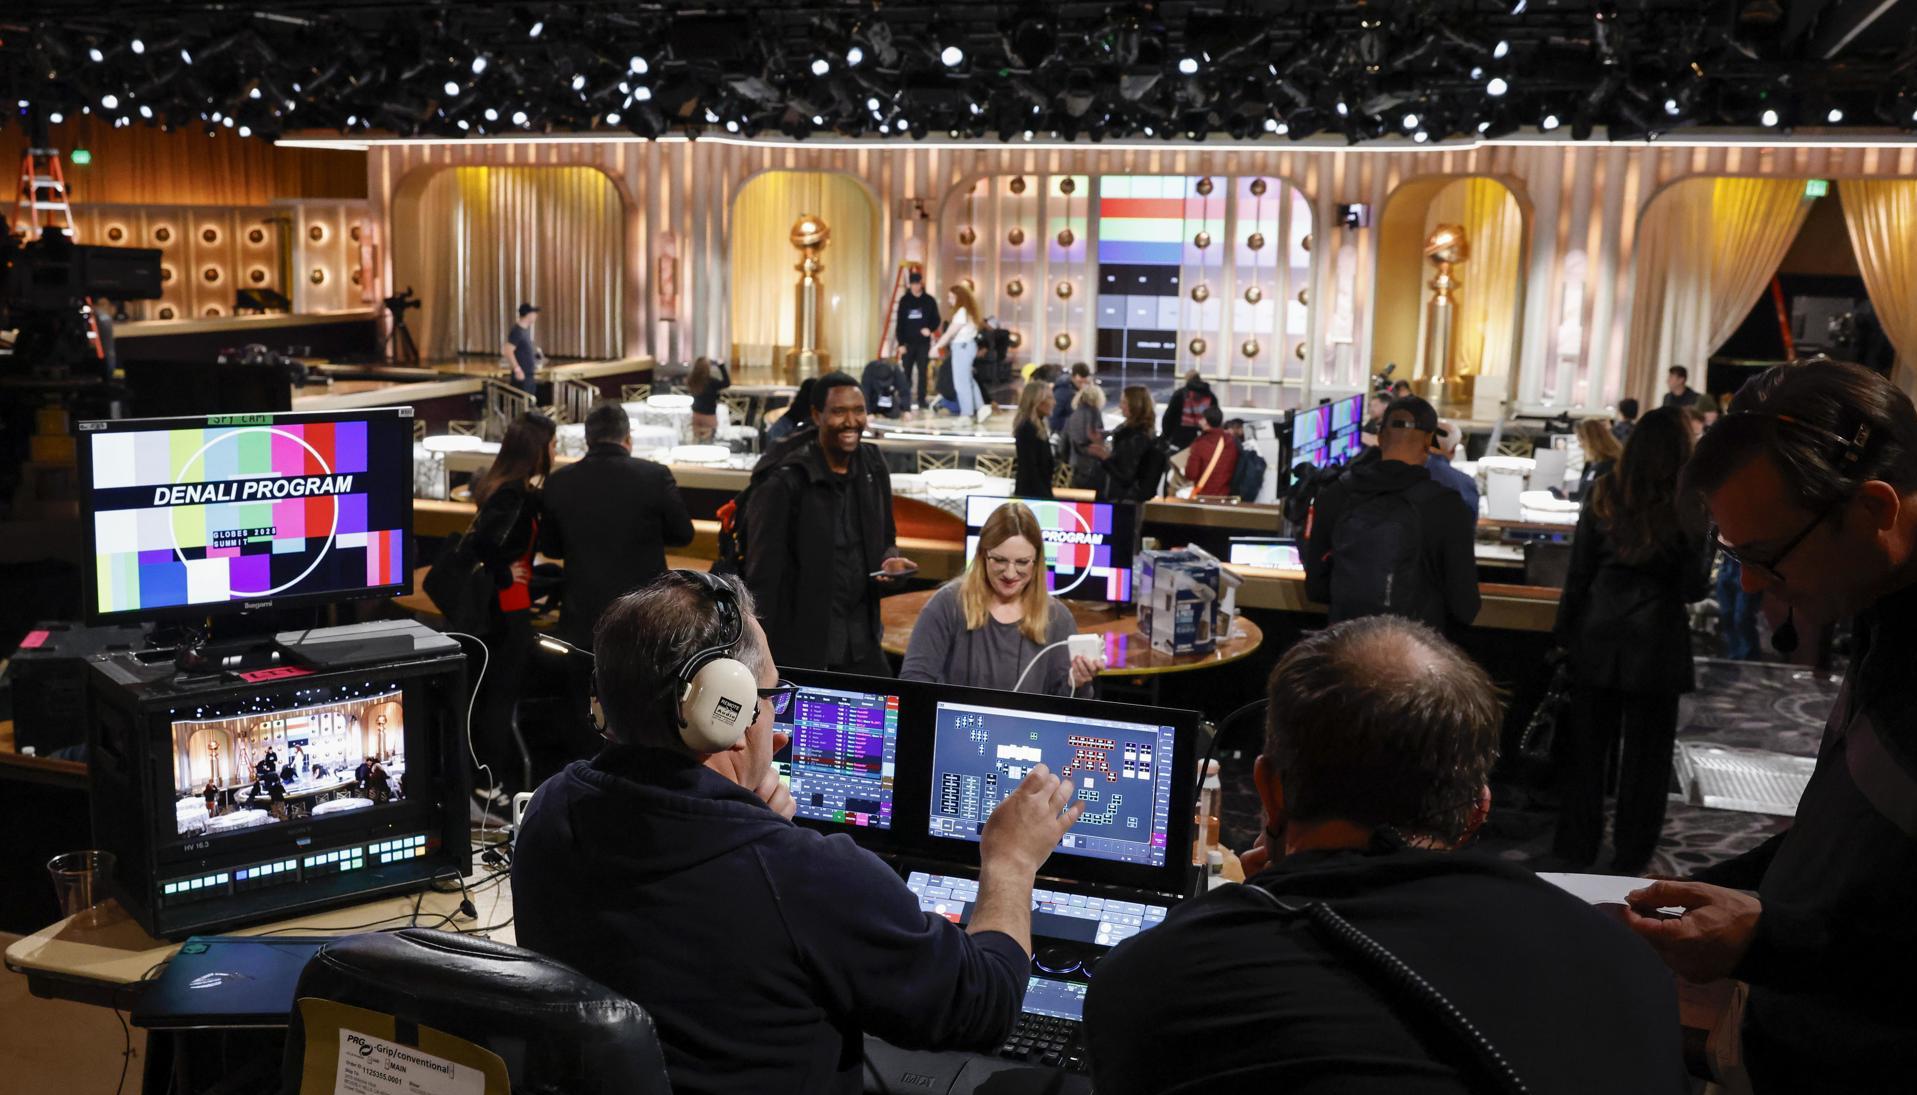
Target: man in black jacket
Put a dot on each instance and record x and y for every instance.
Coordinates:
(1379, 744)
(763, 951)
(1185, 412)
(1677, 385)
(821, 546)
(1386, 538)
(1812, 482)
(611, 516)
(918, 318)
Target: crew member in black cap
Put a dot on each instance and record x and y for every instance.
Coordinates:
(1386, 538)
(918, 318)
(521, 354)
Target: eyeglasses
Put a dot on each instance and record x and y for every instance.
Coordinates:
(1769, 565)
(780, 694)
(1017, 566)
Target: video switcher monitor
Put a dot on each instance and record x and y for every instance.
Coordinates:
(843, 756)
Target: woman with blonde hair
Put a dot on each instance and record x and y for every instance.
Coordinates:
(1085, 433)
(961, 334)
(1601, 451)
(988, 627)
(1032, 440)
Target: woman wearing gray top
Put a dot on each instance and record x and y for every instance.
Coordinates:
(984, 628)
(1085, 432)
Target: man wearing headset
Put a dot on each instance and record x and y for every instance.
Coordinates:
(1378, 749)
(668, 868)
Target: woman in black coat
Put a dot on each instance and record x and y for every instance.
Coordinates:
(1135, 466)
(1639, 557)
(1032, 442)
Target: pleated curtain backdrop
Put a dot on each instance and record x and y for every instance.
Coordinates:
(1490, 296)
(764, 302)
(1882, 218)
(1707, 250)
(477, 241)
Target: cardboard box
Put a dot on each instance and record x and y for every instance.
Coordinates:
(1177, 595)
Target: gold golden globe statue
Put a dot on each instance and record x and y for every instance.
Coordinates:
(1438, 379)
(809, 235)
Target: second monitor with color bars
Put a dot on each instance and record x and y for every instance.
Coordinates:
(1088, 546)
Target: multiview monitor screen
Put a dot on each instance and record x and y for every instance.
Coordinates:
(287, 766)
(1329, 434)
(231, 512)
(843, 756)
(1088, 545)
(1121, 771)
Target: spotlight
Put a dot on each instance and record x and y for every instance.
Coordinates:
(1188, 66)
(818, 119)
(578, 82)
(637, 66)
(1672, 108)
(353, 120)
(854, 57)
(1834, 116)
(137, 46)
(641, 94)
(94, 55)
(538, 28)
(952, 56)
(479, 65)
(872, 104)
(56, 117)
(185, 55)
(246, 131)
(1421, 136)
(1343, 110)
(1499, 51)
(732, 126)
(612, 118)
(146, 112)
(253, 93)
(519, 117)
(452, 88)
(1411, 121)
(1496, 87)
(1769, 117)
(1550, 122)
(492, 115)
(820, 67)
(110, 101)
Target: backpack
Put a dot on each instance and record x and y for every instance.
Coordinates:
(1248, 478)
(1377, 553)
(734, 536)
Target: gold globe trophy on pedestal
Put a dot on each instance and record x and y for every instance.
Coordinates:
(1438, 379)
(809, 235)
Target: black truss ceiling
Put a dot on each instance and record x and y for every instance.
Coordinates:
(1251, 69)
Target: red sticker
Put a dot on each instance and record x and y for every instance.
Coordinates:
(276, 673)
(34, 640)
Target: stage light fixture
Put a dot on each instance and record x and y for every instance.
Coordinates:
(1835, 116)
(56, 117)
(1188, 66)
(578, 81)
(94, 54)
(1672, 108)
(110, 101)
(1421, 136)
(1769, 117)
(872, 104)
(854, 57)
(637, 65)
(1344, 111)
(146, 111)
(1411, 121)
(732, 126)
(137, 46)
(1549, 123)
(538, 28)
(452, 88)
(1501, 50)
(519, 117)
(186, 55)
(246, 131)
(479, 65)
(952, 56)
(641, 94)
(492, 115)
(820, 66)
(463, 125)
(1496, 86)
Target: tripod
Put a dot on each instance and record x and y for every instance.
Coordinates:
(400, 348)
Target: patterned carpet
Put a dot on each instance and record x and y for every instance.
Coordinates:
(1759, 705)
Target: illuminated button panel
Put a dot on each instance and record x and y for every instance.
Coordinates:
(397, 849)
(280, 872)
(261, 875)
(182, 891)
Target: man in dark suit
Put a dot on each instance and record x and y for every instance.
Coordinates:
(918, 318)
(611, 516)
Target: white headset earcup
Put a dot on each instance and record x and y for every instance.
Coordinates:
(718, 705)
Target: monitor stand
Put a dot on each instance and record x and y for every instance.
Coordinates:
(239, 644)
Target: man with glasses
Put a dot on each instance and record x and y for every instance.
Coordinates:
(1811, 480)
(763, 951)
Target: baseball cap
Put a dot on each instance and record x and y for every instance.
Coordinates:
(528, 309)
(915, 277)
(1413, 412)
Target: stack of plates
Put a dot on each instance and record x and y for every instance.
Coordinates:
(699, 454)
(952, 480)
(459, 442)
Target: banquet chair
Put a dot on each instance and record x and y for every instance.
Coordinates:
(995, 465)
(935, 459)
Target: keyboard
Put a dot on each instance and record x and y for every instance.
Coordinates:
(1104, 921)
(1047, 1040)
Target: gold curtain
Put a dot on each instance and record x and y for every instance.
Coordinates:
(145, 165)
(477, 241)
(1489, 299)
(1882, 218)
(764, 305)
(1708, 248)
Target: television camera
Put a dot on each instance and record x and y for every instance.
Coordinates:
(45, 285)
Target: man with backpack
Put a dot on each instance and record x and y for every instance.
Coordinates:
(1386, 539)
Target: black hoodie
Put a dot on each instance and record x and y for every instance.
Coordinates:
(761, 949)
(1447, 529)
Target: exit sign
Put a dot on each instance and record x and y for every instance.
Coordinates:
(80, 156)
(1816, 188)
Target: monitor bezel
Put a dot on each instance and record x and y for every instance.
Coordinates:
(1130, 542)
(85, 431)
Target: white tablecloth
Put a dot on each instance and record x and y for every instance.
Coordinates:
(912, 485)
(341, 806)
(239, 819)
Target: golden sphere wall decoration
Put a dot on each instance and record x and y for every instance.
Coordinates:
(970, 285)
(1304, 296)
(1015, 288)
(210, 234)
(318, 276)
(1253, 294)
(1015, 340)
(1197, 347)
(1063, 342)
(1298, 351)
(967, 237)
(212, 311)
(256, 275)
(354, 233)
(166, 274)
(356, 276)
(210, 275)
(1201, 293)
(1018, 184)
(316, 232)
(1305, 243)
(115, 234)
(1257, 188)
(1064, 290)
(1249, 348)
(1202, 240)
(1066, 237)
(1255, 241)
(1016, 237)
(167, 313)
(256, 235)
(163, 233)
(1067, 185)
(1205, 187)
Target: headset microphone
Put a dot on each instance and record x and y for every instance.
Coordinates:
(1784, 638)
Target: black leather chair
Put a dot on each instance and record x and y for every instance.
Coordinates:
(555, 1029)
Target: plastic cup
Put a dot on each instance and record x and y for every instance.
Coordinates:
(80, 885)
